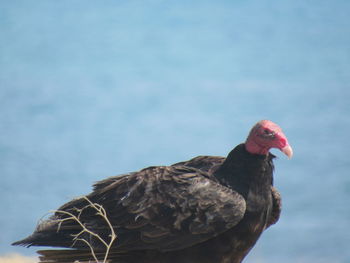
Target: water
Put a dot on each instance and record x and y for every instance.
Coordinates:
(90, 90)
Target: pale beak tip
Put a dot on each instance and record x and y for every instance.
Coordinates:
(287, 150)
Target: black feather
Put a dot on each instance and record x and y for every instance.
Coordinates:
(208, 209)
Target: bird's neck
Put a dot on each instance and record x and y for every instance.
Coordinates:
(244, 172)
(254, 148)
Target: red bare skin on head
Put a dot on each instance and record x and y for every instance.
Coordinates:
(266, 135)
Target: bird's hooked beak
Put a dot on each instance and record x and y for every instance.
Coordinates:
(287, 150)
(284, 145)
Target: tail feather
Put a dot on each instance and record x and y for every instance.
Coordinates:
(67, 256)
(45, 239)
(50, 233)
(85, 256)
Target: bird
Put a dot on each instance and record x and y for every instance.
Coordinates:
(209, 209)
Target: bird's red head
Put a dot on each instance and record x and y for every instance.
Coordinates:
(266, 135)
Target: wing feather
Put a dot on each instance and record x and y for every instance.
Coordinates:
(164, 208)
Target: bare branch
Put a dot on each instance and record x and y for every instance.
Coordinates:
(100, 211)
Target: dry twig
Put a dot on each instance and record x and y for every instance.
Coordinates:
(100, 211)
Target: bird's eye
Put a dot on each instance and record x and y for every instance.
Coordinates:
(268, 133)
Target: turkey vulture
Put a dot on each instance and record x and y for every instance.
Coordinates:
(207, 210)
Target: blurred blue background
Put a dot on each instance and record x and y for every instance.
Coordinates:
(90, 89)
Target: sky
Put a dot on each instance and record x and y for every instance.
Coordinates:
(93, 89)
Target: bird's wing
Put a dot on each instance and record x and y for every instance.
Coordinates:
(162, 208)
(204, 163)
(276, 207)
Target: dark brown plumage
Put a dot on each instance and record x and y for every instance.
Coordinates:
(208, 209)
